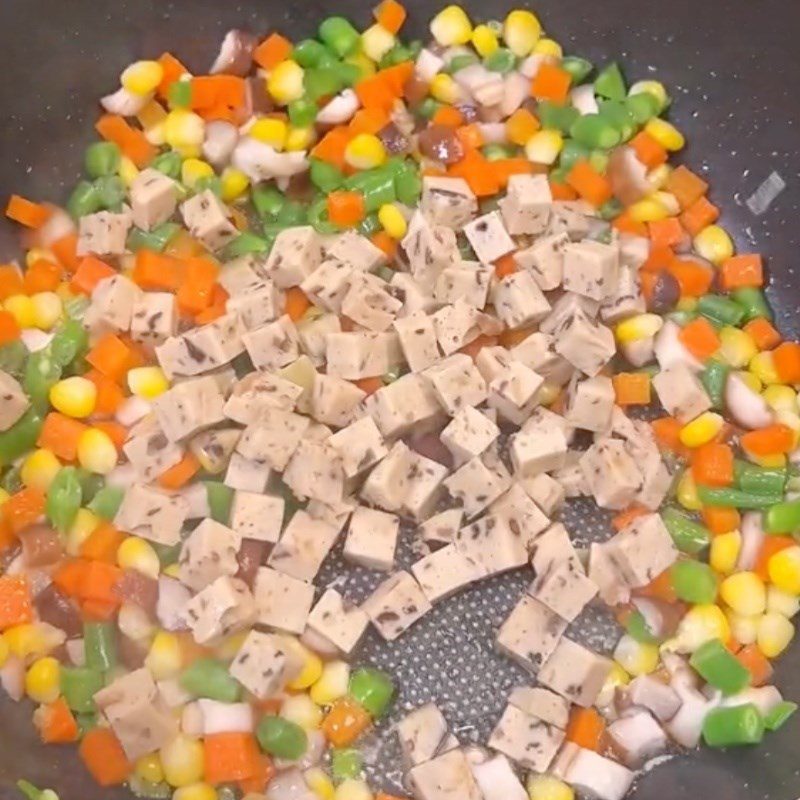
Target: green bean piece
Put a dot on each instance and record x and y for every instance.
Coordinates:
(100, 645)
(155, 240)
(598, 160)
(244, 244)
(408, 186)
(610, 209)
(319, 82)
(111, 192)
(689, 536)
(102, 158)
(348, 74)
(643, 107)
(428, 107)
(339, 35)
(719, 667)
(753, 302)
(721, 309)
(79, 686)
(318, 217)
(571, 153)
(20, 437)
(369, 225)
(496, 152)
(377, 186)
(714, 377)
(610, 83)
(732, 726)
(594, 131)
(70, 342)
(211, 182)
(13, 356)
(84, 200)
(64, 498)
(281, 737)
(346, 762)
(776, 718)
(735, 498)
(208, 677)
(693, 581)
(292, 213)
(620, 117)
(397, 55)
(326, 177)
(759, 480)
(42, 372)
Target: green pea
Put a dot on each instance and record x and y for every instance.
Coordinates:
(84, 200)
(571, 153)
(428, 107)
(694, 582)
(106, 502)
(339, 35)
(169, 163)
(643, 106)
(207, 677)
(579, 68)
(42, 372)
(111, 192)
(346, 762)
(179, 94)
(598, 160)
(282, 738)
(64, 498)
(618, 115)
(302, 113)
(309, 52)
(495, 152)
(348, 74)
(610, 209)
(102, 158)
(594, 131)
(501, 60)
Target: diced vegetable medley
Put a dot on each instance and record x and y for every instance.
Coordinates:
(352, 289)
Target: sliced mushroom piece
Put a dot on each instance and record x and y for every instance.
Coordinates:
(235, 54)
(220, 141)
(260, 162)
(125, 103)
(628, 176)
(340, 109)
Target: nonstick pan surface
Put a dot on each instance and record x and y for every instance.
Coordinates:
(733, 69)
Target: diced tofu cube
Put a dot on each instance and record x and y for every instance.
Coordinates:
(152, 514)
(257, 516)
(643, 549)
(626, 300)
(521, 515)
(113, 301)
(154, 197)
(414, 297)
(587, 346)
(637, 738)
(151, 453)
(605, 575)
(418, 342)
(297, 252)
(468, 283)
(189, 407)
(273, 345)
(423, 483)
(207, 553)
(547, 493)
(496, 778)
(530, 634)
(369, 304)
(362, 354)
(488, 237)
(405, 405)
(444, 572)
(514, 392)
(544, 259)
(526, 207)
(103, 233)
(469, 433)
(564, 589)
(13, 401)
(493, 362)
(526, 739)
(552, 548)
(421, 734)
(542, 703)
(313, 335)
(457, 383)
(387, 485)
(202, 349)
(372, 539)
(221, 608)
(360, 446)
(447, 777)
(611, 473)
(154, 317)
(246, 475)
(473, 487)
(282, 602)
(274, 441)
(519, 301)
(430, 249)
(654, 695)
(315, 471)
(681, 392)
(575, 673)
(396, 605)
(261, 305)
(338, 621)
(257, 395)
(533, 452)
(572, 218)
(335, 401)
(542, 420)
(591, 268)
(597, 777)
(328, 284)
(206, 217)
(590, 403)
(490, 544)
(242, 275)
(303, 547)
(261, 665)
(356, 250)
(441, 528)
(568, 306)
(456, 326)
(448, 201)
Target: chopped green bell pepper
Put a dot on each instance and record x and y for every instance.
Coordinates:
(373, 689)
(718, 667)
(737, 725)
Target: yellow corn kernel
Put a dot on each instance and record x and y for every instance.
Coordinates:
(753, 382)
(745, 593)
(47, 309)
(780, 398)
(96, 452)
(548, 393)
(152, 118)
(616, 677)
(182, 761)
(666, 134)
(700, 624)
(484, 40)
(138, 554)
(737, 347)
(300, 139)
(318, 781)
(743, 629)
(172, 570)
(714, 244)
(33, 639)
(42, 680)
(548, 787)
(74, 396)
(147, 382)
(701, 430)
(194, 170)
(775, 634)
(376, 42)
(184, 131)
(310, 672)
(655, 88)
(233, 184)
(332, 684)
(164, 659)
(285, 82)
(39, 254)
(669, 201)
(271, 131)
(4, 495)
(775, 461)
(784, 569)
(724, 552)
(4, 651)
(792, 420)
(127, 171)
(521, 32)
(365, 151)
(230, 646)
(650, 209)
(549, 48)
(636, 658)
(303, 711)
(762, 365)
(81, 529)
(544, 146)
(142, 77)
(148, 768)
(642, 326)
(20, 306)
(352, 789)
(195, 791)
(686, 304)
(363, 62)
(686, 492)
(444, 89)
(658, 176)
(38, 469)
(393, 221)
(782, 602)
(451, 26)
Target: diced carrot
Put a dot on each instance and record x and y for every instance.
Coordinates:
(197, 286)
(155, 271)
(42, 276)
(687, 187)
(230, 756)
(24, 508)
(258, 783)
(181, 473)
(99, 580)
(346, 208)
(667, 432)
(368, 120)
(384, 242)
(632, 388)
(65, 250)
(369, 385)
(103, 756)
(26, 212)
(389, 14)
(448, 117)
(115, 431)
(219, 305)
(770, 546)
(397, 77)
(787, 361)
(694, 279)
(648, 150)
(745, 270)
(506, 265)
(111, 357)
(712, 465)
(110, 395)
(721, 519)
(102, 543)
(521, 125)
(505, 168)
(56, 723)
(478, 172)
(173, 70)
(658, 259)
(345, 722)
(756, 663)
(470, 136)
(274, 49)
(331, 146)
(476, 345)
(551, 83)
(562, 191)
(11, 281)
(763, 333)
(769, 441)
(16, 603)
(660, 588)
(214, 96)
(98, 610)
(60, 435)
(69, 576)
(90, 272)
(666, 232)
(384, 87)
(9, 328)
(628, 515)
(130, 140)
(624, 223)
(589, 183)
(700, 338)
(699, 215)
(586, 728)
(297, 303)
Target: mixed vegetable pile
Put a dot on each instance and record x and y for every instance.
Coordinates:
(356, 288)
